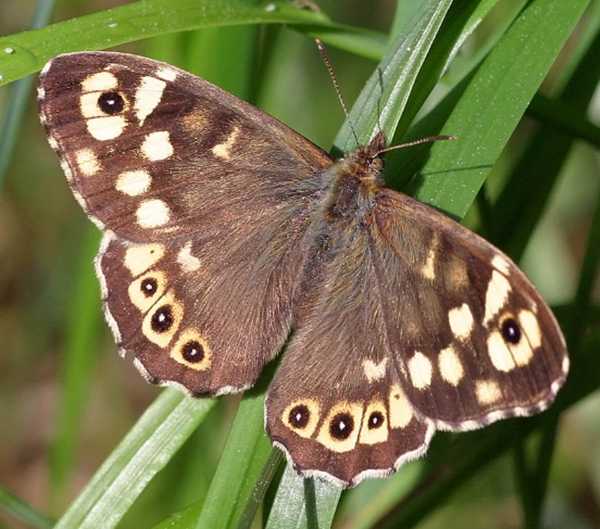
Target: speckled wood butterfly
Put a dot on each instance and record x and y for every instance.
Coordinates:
(224, 230)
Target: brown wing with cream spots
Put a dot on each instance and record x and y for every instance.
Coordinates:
(418, 325)
(473, 340)
(152, 152)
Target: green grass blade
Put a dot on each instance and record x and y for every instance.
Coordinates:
(22, 511)
(77, 364)
(523, 198)
(384, 97)
(144, 451)
(150, 18)
(303, 503)
(244, 456)
(490, 109)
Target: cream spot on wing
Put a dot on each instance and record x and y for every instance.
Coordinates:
(374, 427)
(400, 409)
(374, 371)
(302, 417)
(87, 161)
(106, 128)
(522, 352)
(428, 269)
(340, 428)
(88, 104)
(157, 146)
(461, 321)
(420, 370)
(140, 257)
(499, 352)
(99, 82)
(147, 97)
(496, 295)
(501, 264)
(186, 260)
(134, 183)
(531, 327)
(166, 73)
(450, 366)
(222, 150)
(153, 213)
(488, 392)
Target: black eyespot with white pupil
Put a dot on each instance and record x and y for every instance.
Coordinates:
(193, 351)
(341, 426)
(511, 332)
(375, 420)
(299, 416)
(149, 287)
(111, 103)
(162, 320)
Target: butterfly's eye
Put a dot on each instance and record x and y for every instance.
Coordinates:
(511, 332)
(111, 103)
(376, 164)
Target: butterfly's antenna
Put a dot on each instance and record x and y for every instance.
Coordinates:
(416, 142)
(335, 85)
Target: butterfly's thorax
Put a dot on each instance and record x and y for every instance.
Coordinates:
(356, 179)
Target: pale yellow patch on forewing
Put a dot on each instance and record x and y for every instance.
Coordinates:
(499, 353)
(107, 127)
(401, 412)
(99, 82)
(487, 392)
(147, 97)
(153, 213)
(157, 146)
(374, 371)
(496, 295)
(134, 183)
(450, 366)
(223, 150)
(530, 325)
(87, 162)
(166, 73)
(186, 260)
(461, 321)
(420, 370)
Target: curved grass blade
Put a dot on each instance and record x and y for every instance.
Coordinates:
(22, 511)
(144, 451)
(139, 20)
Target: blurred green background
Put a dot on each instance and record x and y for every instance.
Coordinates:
(67, 399)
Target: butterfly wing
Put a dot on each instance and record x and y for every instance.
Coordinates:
(205, 203)
(421, 325)
(153, 152)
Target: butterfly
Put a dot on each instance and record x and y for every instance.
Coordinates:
(224, 231)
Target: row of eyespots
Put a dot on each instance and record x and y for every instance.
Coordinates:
(347, 422)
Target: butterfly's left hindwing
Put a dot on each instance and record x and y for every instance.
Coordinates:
(204, 200)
